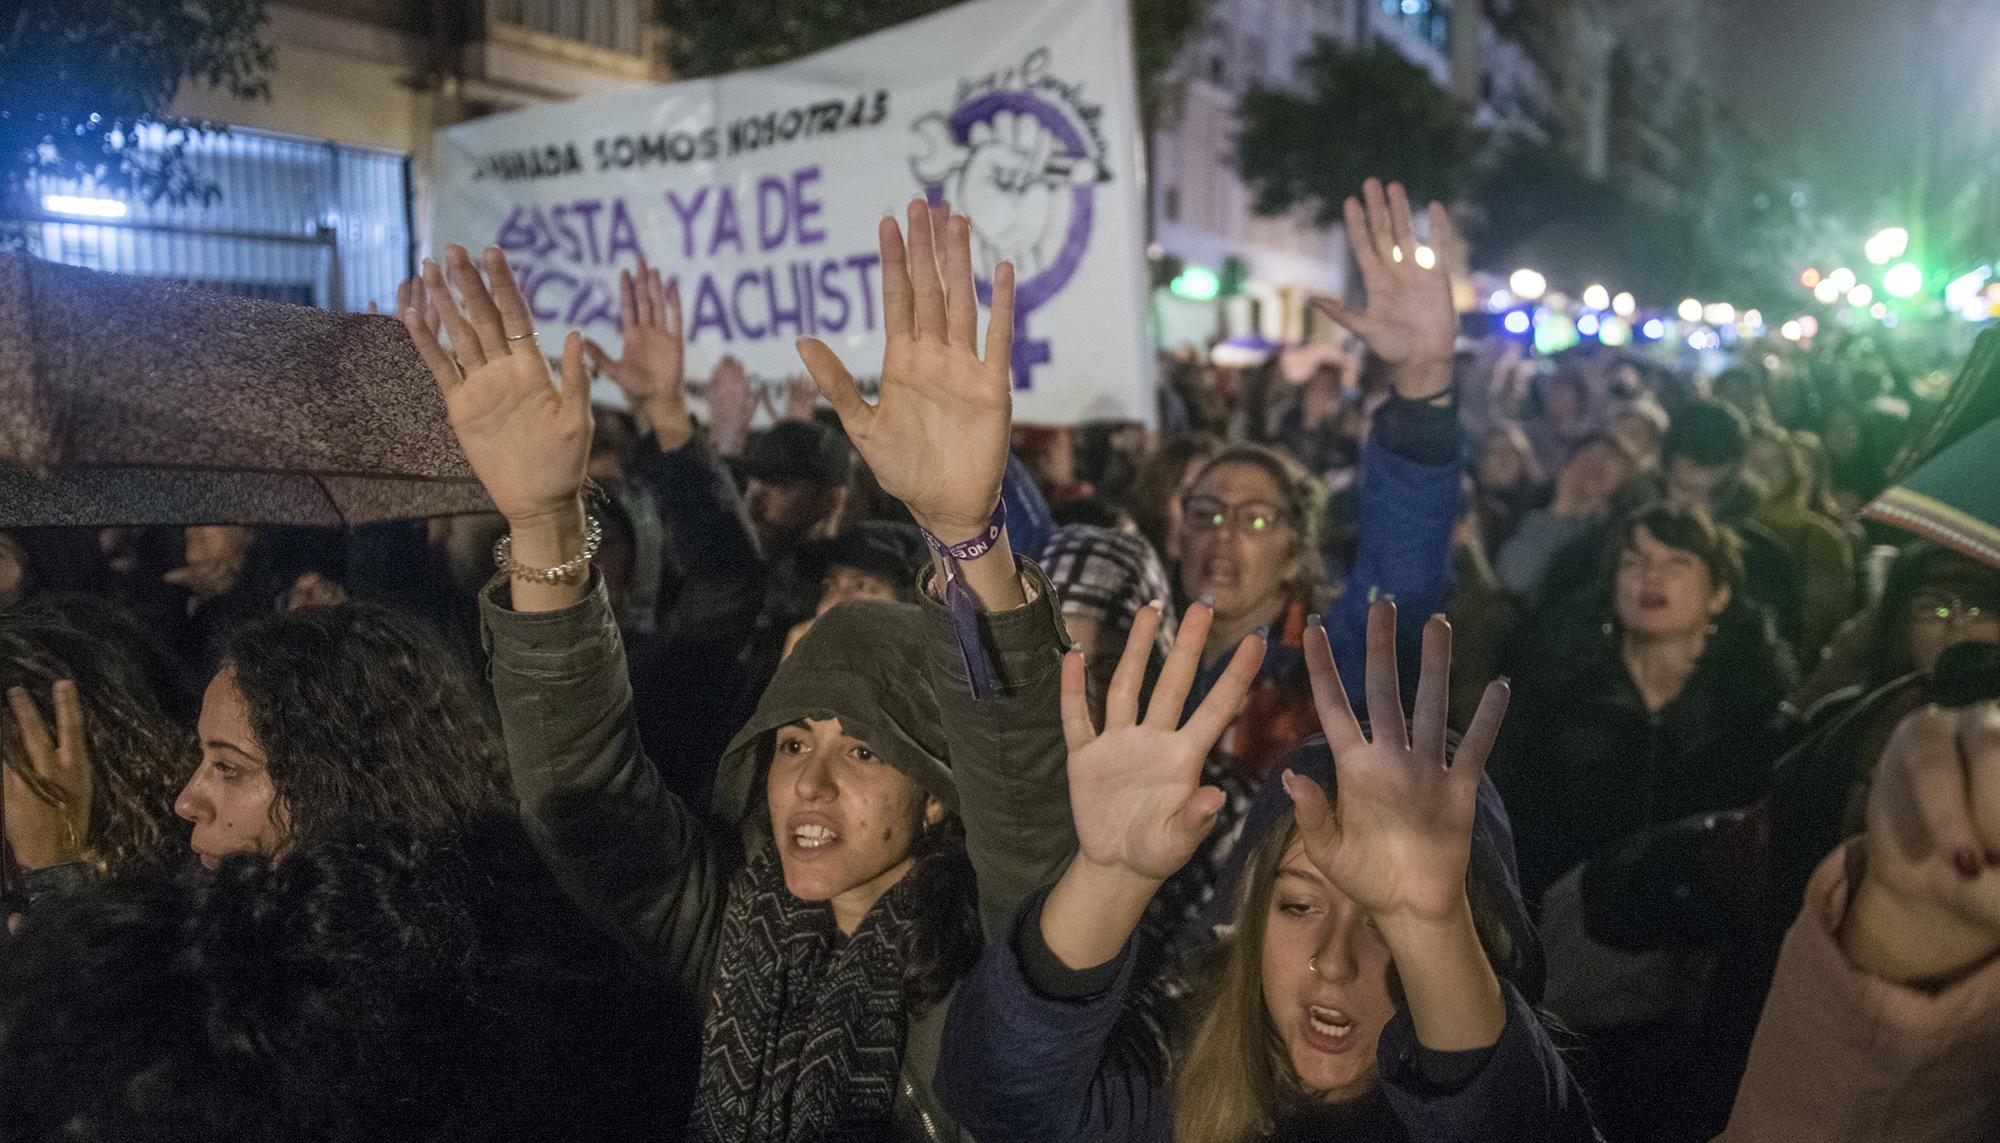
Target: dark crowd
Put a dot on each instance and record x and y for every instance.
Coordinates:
(1414, 739)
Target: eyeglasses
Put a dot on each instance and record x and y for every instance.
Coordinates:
(1250, 518)
(1937, 607)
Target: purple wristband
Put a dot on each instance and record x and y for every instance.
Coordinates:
(978, 545)
(963, 607)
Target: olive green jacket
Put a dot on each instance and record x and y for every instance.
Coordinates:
(630, 849)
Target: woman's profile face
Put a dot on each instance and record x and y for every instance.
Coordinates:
(1326, 981)
(230, 799)
(843, 818)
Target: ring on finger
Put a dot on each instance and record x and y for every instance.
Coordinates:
(520, 336)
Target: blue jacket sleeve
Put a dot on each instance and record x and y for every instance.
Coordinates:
(1408, 509)
(1521, 1092)
(1018, 1063)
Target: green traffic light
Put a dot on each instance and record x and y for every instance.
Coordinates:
(1903, 280)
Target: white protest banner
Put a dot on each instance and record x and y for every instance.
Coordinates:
(760, 193)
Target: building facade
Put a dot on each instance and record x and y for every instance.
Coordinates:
(324, 193)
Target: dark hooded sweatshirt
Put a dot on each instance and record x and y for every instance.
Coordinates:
(893, 676)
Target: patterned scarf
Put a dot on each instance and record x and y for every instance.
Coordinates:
(805, 1029)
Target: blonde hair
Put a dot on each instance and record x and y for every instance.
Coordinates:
(1233, 1074)
(1233, 1070)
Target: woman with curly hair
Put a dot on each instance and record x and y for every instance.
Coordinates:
(325, 717)
(380, 985)
(76, 664)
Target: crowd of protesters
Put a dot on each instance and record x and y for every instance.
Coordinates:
(1441, 744)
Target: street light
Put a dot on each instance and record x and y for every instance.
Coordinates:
(1596, 297)
(1719, 313)
(1197, 283)
(1654, 329)
(1878, 311)
(1860, 296)
(1690, 310)
(1843, 280)
(1903, 280)
(1789, 331)
(1886, 245)
(1624, 304)
(83, 206)
(1827, 292)
(1810, 277)
(1527, 284)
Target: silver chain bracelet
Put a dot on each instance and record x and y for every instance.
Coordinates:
(569, 571)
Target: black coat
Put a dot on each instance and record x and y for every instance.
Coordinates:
(378, 986)
(1582, 763)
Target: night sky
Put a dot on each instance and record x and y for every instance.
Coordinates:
(1837, 84)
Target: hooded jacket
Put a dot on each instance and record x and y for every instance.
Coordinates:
(890, 673)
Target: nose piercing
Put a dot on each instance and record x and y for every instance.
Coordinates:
(1312, 965)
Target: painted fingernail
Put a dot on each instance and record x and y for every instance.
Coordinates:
(1967, 863)
(1387, 597)
(1207, 599)
(1506, 680)
(1313, 620)
(1263, 632)
(1157, 605)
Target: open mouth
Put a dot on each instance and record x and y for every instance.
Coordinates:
(1330, 1022)
(813, 836)
(1219, 571)
(1329, 1030)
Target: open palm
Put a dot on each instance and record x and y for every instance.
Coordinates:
(1398, 837)
(527, 441)
(1410, 315)
(1135, 790)
(650, 367)
(937, 437)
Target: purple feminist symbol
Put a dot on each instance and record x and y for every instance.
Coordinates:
(1016, 185)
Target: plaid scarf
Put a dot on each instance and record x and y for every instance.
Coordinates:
(805, 1031)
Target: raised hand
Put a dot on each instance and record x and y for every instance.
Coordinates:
(1927, 908)
(650, 369)
(1135, 790)
(937, 439)
(48, 801)
(731, 405)
(1398, 836)
(1410, 320)
(527, 440)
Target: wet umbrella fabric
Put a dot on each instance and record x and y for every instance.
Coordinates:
(128, 400)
